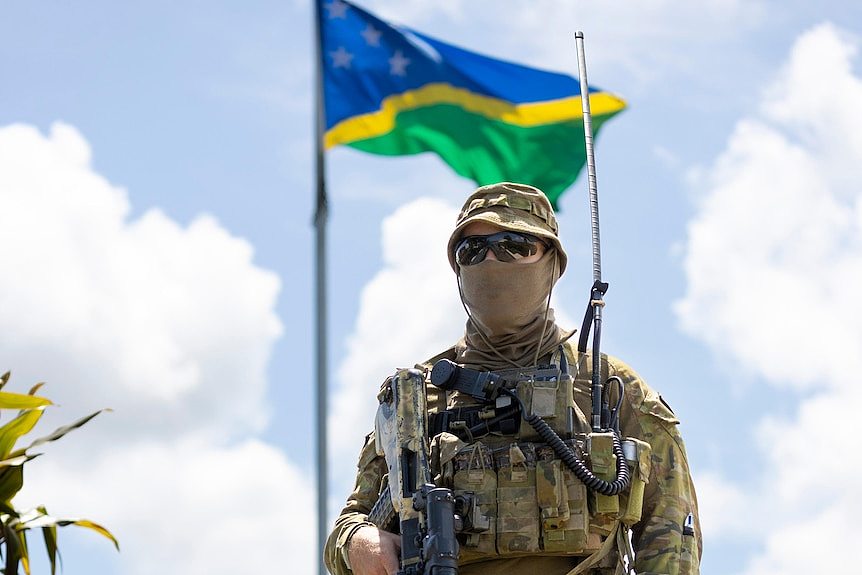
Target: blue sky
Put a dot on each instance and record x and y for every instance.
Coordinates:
(155, 223)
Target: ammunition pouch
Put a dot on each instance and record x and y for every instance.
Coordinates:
(518, 498)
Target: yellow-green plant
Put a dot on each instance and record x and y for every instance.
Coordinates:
(14, 523)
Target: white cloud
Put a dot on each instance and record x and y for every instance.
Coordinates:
(172, 326)
(822, 544)
(187, 507)
(774, 269)
(141, 315)
(818, 111)
(722, 506)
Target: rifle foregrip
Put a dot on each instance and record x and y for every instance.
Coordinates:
(383, 514)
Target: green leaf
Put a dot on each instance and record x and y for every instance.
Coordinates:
(19, 460)
(39, 518)
(6, 509)
(11, 480)
(25, 552)
(35, 388)
(13, 550)
(10, 400)
(12, 431)
(90, 525)
(59, 432)
(49, 533)
(32, 516)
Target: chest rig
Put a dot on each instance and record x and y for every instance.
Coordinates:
(529, 475)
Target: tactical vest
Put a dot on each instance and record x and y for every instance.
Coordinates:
(523, 499)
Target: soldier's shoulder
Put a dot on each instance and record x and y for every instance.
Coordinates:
(646, 401)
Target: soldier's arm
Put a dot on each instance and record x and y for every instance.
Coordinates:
(355, 513)
(666, 540)
(660, 539)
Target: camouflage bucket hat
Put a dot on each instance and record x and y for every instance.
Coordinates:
(516, 207)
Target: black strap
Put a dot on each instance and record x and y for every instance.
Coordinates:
(602, 289)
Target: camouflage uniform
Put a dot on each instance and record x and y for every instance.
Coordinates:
(658, 538)
(546, 523)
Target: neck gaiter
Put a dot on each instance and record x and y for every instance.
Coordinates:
(510, 323)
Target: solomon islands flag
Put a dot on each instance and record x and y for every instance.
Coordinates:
(394, 91)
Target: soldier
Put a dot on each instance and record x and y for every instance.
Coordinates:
(532, 515)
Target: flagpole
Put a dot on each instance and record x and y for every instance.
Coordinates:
(321, 214)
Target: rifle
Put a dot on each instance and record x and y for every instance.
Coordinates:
(425, 513)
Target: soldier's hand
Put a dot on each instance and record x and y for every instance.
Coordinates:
(374, 552)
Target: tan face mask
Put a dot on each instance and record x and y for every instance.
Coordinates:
(510, 322)
(504, 298)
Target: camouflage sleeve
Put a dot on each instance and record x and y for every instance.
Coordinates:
(355, 513)
(667, 539)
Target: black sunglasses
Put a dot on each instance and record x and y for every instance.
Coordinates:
(507, 247)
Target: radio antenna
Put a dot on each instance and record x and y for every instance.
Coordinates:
(593, 316)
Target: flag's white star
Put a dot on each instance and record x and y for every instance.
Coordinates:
(337, 9)
(372, 36)
(398, 64)
(341, 58)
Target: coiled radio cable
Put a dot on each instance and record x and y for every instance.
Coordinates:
(570, 458)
